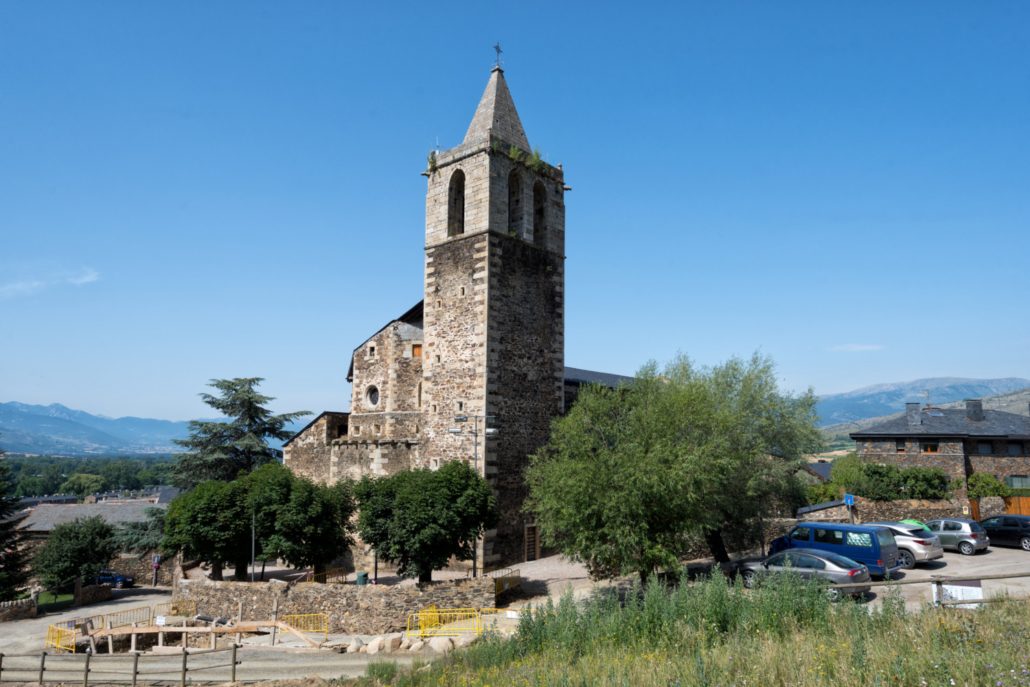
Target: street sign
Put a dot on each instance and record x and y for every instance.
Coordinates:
(849, 500)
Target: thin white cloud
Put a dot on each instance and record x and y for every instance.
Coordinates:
(856, 348)
(27, 287)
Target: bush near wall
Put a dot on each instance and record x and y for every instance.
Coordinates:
(881, 482)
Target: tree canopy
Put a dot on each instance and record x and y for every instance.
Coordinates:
(303, 523)
(223, 450)
(211, 523)
(419, 519)
(80, 548)
(631, 477)
(13, 564)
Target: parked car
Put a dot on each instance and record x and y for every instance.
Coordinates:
(916, 544)
(115, 579)
(874, 547)
(959, 534)
(810, 564)
(1009, 530)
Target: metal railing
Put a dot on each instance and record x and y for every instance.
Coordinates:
(506, 579)
(330, 576)
(45, 667)
(309, 622)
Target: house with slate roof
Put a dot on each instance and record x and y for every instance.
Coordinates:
(961, 441)
(475, 371)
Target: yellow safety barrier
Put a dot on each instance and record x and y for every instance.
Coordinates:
(444, 622)
(183, 607)
(61, 638)
(309, 622)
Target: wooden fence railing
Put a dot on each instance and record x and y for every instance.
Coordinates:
(46, 668)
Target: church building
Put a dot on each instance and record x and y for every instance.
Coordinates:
(476, 370)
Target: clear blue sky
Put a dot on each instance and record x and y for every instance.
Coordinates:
(192, 190)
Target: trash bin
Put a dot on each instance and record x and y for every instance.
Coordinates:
(361, 578)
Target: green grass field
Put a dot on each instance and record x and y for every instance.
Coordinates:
(716, 633)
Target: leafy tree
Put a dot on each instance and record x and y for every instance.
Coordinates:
(303, 523)
(83, 484)
(13, 572)
(848, 472)
(211, 523)
(80, 548)
(141, 537)
(632, 476)
(419, 519)
(224, 450)
(983, 484)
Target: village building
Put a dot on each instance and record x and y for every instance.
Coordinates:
(475, 371)
(961, 441)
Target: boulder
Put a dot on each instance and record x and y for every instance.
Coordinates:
(354, 645)
(465, 640)
(391, 644)
(441, 645)
(405, 644)
(375, 646)
(416, 645)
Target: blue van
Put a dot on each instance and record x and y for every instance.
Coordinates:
(872, 546)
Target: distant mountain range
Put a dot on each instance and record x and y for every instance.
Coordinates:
(58, 430)
(886, 399)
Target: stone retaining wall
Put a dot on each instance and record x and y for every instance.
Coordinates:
(892, 511)
(370, 609)
(17, 610)
(91, 594)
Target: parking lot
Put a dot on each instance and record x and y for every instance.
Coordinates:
(995, 561)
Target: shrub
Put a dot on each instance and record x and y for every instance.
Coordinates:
(983, 484)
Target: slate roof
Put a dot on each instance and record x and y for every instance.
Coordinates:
(820, 470)
(45, 517)
(578, 376)
(819, 506)
(952, 422)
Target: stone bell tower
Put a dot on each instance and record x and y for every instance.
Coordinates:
(494, 309)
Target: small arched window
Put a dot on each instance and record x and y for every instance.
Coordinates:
(514, 203)
(456, 204)
(539, 214)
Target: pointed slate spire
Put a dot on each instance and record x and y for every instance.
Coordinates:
(496, 114)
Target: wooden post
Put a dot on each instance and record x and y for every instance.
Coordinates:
(110, 638)
(213, 636)
(182, 680)
(161, 638)
(42, 665)
(132, 640)
(85, 671)
(239, 619)
(184, 635)
(135, 667)
(275, 618)
(1, 666)
(232, 677)
(939, 586)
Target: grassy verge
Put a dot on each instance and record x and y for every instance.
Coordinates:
(715, 633)
(49, 601)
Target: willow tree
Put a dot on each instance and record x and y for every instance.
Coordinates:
(633, 476)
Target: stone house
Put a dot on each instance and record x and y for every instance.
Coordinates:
(474, 371)
(961, 441)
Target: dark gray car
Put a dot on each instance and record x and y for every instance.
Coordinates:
(810, 564)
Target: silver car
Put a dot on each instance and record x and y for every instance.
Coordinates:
(959, 534)
(915, 544)
(810, 564)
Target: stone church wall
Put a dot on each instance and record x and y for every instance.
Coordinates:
(309, 453)
(525, 386)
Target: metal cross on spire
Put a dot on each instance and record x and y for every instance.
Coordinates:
(497, 49)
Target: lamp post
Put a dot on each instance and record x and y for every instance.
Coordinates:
(487, 432)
